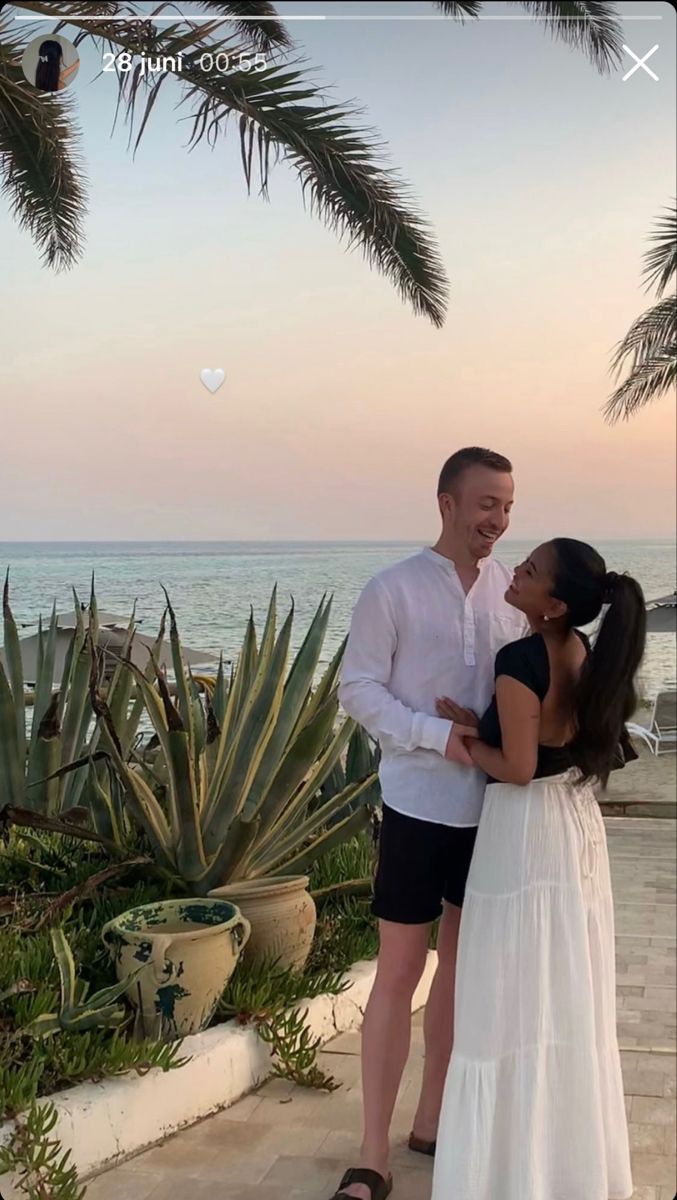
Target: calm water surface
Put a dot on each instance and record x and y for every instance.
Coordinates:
(212, 584)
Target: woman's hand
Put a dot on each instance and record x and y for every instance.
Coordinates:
(454, 712)
(458, 745)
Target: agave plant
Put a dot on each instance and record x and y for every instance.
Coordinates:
(361, 760)
(35, 767)
(234, 787)
(76, 1013)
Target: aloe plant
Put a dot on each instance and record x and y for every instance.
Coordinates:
(76, 1012)
(235, 789)
(33, 765)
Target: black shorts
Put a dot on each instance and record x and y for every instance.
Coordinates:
(420, 864)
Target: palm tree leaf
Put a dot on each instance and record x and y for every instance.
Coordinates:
(260, 24)
(651, 334)
(649, 380)
(592, 26)
(455, 8)
(649, 347)
(339, 165)
(283, 113)
(40, 165)
(660, 263)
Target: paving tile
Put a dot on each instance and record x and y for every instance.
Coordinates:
(647, 1139)
(648, 1110)
(319, 1173)
(244, 1109)
(411, 1185)
(344, 1145)
(228, 1188)
(345, 1043)
(291, 1139)
(276, 1089)
(659, 1170)
(124, 1183)
(644, 1083)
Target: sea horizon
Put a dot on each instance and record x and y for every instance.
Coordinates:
(667, 539)
(213, 584)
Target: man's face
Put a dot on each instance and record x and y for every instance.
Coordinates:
(478, 512)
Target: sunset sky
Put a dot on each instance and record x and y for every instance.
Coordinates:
(541, 178)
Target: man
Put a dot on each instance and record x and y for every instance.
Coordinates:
(426, 628)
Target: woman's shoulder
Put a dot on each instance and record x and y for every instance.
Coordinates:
(527, 661)
(529, 647)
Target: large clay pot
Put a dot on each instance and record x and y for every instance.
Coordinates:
(190, 949)
(282, 916)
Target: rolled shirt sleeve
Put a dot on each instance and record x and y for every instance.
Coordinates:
(365, 674)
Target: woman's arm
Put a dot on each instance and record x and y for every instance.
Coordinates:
(68, 71)
(519, 712)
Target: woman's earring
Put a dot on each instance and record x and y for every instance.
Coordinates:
(546, 618)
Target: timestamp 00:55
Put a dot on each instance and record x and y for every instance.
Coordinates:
(222, 63)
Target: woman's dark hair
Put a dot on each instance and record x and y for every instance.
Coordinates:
(49, 66)
(605, 696)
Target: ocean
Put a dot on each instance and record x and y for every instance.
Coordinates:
(213, 584)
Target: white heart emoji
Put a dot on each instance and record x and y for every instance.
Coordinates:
(212, 378)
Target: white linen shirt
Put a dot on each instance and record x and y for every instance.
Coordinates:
(415, 636)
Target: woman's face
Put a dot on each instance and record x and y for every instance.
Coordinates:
(532, 585)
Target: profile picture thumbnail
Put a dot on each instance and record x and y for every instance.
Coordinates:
(50, 63)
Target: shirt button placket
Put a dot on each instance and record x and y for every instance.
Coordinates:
(468, 635)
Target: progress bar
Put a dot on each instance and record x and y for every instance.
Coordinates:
(282, 18)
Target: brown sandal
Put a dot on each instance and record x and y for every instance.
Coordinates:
(379, 1187)
(422, 1147)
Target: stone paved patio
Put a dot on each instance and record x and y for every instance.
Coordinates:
(283, 1143)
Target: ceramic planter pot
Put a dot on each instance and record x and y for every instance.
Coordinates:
(282, 916)
(189, 950)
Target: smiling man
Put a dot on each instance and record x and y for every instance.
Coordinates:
(428, 627)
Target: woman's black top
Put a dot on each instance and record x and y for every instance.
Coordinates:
(527, 661)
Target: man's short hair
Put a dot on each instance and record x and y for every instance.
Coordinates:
(470, 456)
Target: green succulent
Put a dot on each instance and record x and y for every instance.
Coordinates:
(77, 1013)
(236, 787)
(36, 768)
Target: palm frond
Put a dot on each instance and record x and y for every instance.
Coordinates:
(592, 26)
(661, 261)
(40, 166)
(649, 348)
(282, 113)
(648, 381)
(260, 25)
(460, 8)
(340, 166)
(654, 332)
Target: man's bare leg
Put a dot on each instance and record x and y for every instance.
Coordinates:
(386, 1037)
(438, 1027)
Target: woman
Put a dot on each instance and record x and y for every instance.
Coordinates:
(50, 74)
(533, 1106)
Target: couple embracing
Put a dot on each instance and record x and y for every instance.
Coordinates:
(497, 722)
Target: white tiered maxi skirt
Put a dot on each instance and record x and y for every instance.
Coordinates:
(533, 1105)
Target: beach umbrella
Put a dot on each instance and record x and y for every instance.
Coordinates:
(661, 615)
(112, 635)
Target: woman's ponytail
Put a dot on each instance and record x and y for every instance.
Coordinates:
(605, 697)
